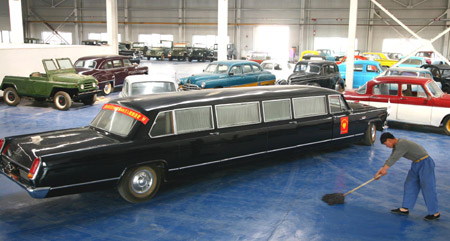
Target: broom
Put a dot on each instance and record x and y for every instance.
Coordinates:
(338, 198)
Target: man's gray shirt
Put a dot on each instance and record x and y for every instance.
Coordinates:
(407, 149)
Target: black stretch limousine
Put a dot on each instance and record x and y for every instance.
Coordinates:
(134, 142)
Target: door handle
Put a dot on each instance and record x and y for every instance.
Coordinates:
(214, 133)
(292, 122)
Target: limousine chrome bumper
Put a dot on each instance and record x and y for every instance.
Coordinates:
(40, 192)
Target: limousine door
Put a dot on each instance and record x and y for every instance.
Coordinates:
(237, 133)
(346, 124)
(307, 123)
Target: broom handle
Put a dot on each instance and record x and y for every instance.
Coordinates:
(360, 186)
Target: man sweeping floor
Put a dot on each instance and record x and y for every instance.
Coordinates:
(420, 176)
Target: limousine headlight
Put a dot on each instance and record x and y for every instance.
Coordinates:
(203, 85)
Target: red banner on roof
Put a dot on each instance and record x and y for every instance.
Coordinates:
(131, 113)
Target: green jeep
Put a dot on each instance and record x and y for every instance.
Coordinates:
(60, 84)
(158, 52)
(180, 51)
(198, 52)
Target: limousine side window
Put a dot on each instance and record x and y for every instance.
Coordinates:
(229, 115)
(182, 121)
(276, 110)
(309, 106)
(193, 119)
(337, 104)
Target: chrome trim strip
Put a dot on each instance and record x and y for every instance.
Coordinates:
(258, 153)
(85, 183)
(40, 192)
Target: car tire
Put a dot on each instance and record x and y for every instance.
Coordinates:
(162, 57)
(139, 184)
(370, 135)
(62, 100)
(170, 58)
(204, 58)
(107, 89)
(190, 59)
(446, 125)
(90, 100)
(11, 97)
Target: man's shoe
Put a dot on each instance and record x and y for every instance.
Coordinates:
(432, 217)
(398, 211)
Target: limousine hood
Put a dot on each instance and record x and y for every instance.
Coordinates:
(24, 149)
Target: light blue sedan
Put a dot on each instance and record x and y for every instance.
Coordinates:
(364, 70)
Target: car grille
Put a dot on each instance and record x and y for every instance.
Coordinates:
(188, 86)
(88, 85)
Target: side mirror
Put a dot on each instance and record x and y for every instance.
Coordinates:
(231, 74)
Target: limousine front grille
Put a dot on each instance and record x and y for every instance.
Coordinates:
(189, 86)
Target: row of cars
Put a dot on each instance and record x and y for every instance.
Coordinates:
(137, 142)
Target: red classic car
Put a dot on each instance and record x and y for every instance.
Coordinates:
(413, 100)
(109, 70)
(343, 59)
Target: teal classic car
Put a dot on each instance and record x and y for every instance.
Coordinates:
(364, 70)
(231, 73)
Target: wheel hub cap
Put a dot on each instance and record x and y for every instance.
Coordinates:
(10, 96)
(61, 101)
(142, 181)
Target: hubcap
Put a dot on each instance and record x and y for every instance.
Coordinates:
(142, 181)
(11, 96)
(61, 100)
(448, 125)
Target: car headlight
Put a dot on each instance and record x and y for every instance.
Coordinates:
(82, 86)
(94, 85)
(203, 85)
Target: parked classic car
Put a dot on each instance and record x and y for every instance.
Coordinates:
(109, 70)
(179, 51)
(414, 62)
(230, 73)
(316, 72)
(363, 71)
(134, 143)
(60, 84)
(344, 59)
(308, 52)
(147, 84)
(313, 57)
(258, 56)
(134, 55)
(419, 101)
(281, 69)
(140, 47)
(328, 53)
(408, 71)
(441, 74)
(380, 57)
(198, 52)
(430, 57)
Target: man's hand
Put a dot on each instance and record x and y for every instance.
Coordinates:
(381, 172)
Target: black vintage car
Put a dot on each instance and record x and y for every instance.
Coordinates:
(133, 143)
(317, 73)
(198, 52)
(441, 74)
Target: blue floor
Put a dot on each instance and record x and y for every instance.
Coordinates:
(276, 197)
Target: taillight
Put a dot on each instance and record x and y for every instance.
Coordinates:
(2, 143)
(34, 168)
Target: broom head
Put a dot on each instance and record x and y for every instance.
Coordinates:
(334, 198)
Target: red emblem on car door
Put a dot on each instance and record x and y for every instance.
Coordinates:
(344, 125)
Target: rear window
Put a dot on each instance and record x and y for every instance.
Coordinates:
(117, 119)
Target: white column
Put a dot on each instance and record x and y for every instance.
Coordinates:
(351, 44)
(222, 28)
(126, 20)
(112, 25)
(15, 19)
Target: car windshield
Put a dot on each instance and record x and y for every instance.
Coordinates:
(211, 68)
(312, 68)
(413, 61)
(434, 89)
(50, 65)
(64, 64)
(114, 121)
(152, 87)
(90, 64)
(138, 45)
(362, 89)
(268, 66)
(300, 67)
(424, 54)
